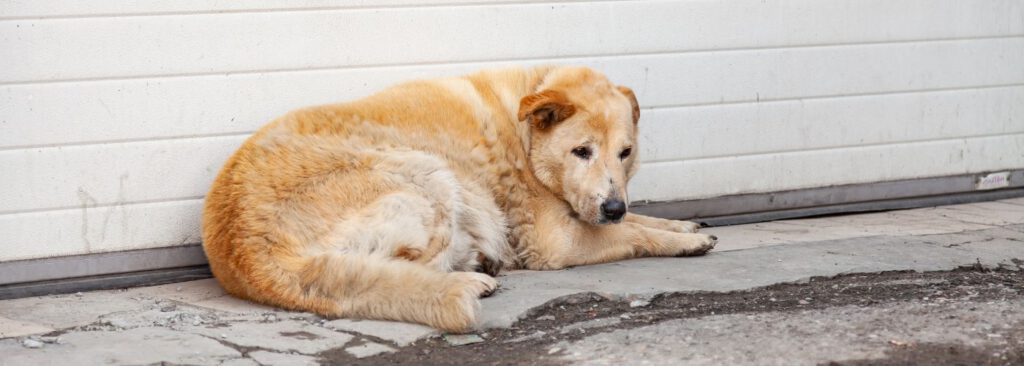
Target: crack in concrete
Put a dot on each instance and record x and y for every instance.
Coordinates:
(245, 351)
(357, 336)
(951, 245)
(1008, 202)
(962, 220)
(105, 325)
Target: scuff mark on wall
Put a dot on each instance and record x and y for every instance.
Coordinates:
(87, 202)
(119, 203)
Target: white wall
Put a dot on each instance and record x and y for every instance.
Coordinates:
(115, 115)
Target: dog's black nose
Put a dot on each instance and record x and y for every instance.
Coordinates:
(613, 209)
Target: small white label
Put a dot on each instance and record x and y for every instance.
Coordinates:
(994, 180)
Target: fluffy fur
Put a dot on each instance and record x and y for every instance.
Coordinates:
(390, 207)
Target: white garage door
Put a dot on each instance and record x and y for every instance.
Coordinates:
(115, 115)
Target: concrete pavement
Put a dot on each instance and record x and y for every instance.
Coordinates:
(196, 323)
(817, 336)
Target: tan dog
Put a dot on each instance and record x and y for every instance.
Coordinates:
(386, 207)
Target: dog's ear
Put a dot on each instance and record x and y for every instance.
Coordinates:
(544, 109)
(632, 100)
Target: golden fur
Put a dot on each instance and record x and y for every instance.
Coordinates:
(387, 207)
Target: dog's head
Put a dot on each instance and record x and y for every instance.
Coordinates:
(583, 141)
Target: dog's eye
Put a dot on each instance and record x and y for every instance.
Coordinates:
(581, 152)
(625, 153)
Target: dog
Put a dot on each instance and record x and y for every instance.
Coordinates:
(405, 204)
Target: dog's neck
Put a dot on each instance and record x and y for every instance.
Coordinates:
(509, 87)
(513, 88)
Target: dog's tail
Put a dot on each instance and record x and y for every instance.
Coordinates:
(379, 287)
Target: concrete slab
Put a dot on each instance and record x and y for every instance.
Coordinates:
(233, 304)
(1016, 227)
(160, 314)
(18, 328)
(141, 346)
(239, 362)
(741, 237)
(462, 339)
(284, 336)
(368, 349)
(280, 359)
(188, 292)
(975, 237)
(984, 213)
(798, 338)
(908, 222)
(758, 235)
(946, 219)
(744, 269)
(401, 334)
(66, 311)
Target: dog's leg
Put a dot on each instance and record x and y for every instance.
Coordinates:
(375, 244)
(663, 224)
(568, 243)
(390, 260)
(374, 287)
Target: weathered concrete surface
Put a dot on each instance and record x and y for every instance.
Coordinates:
(802, 337)
(649, 331)
(239, 362)
(922, 221)
(282, 359)
(16, 328)
(400, 334)
(743, 269)
(65, 311)
(200, 318)
(140, 346)
(368, 349)
(282, 336)
(186, 292)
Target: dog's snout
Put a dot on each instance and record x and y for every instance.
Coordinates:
(613, 209)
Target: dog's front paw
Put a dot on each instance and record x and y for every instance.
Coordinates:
(487, 285)
(475, 284)
(676, 226)
(460, 305)
(696, 244)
